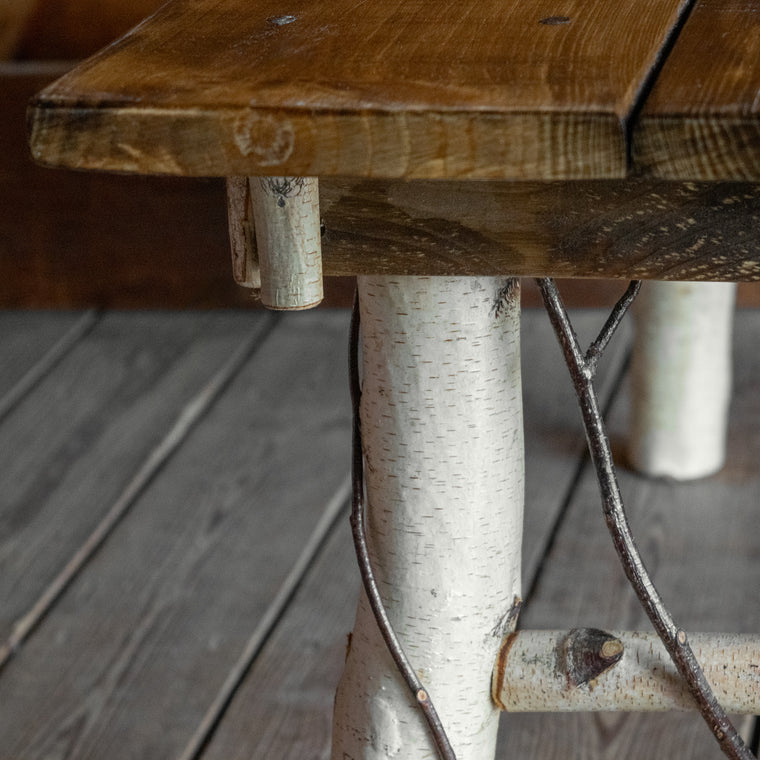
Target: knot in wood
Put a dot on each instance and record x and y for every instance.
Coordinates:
(585, 653)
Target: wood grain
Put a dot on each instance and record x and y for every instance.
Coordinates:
(340, 87)
(79, 240)
(136, 649)
(702, 120)
(74, 443)
(613, 229)
(700, 543)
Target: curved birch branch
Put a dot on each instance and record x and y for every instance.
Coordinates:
(674, 638)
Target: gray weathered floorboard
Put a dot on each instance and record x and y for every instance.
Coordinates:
(283, 710)
(27, 338)
(69, 448)
(699, 540)
(133, 653)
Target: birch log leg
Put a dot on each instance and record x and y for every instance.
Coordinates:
(681, 378)
(441, 417)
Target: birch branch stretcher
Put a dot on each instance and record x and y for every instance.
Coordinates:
(592, 670)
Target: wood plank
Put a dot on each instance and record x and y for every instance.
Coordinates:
(699, 540)
(702, 120)
(82, 240)
(116, 224)
(45, 364)
(25, 339)
(284, 708)
(615, 229)
(69, 449)
(133, 653)
(346, 88)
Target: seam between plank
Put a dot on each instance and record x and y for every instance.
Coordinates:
(206, 729)
(188, 417)
(641, 95)
(610, 393)
(43, 366)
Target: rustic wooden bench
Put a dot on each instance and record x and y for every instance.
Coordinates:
(456, 147)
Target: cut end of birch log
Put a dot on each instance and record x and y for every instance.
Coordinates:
(245, 259)
(560, 671)
(681, 378)
(288, 241)
(441, 415)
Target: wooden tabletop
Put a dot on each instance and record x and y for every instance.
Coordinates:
(418, 89)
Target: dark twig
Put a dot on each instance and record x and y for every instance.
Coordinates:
(673, 637)
(596, 349)
(414, 684)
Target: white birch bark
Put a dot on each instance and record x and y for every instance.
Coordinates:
(534, 678)
(288, 241)
(681, 378)
(443, 440)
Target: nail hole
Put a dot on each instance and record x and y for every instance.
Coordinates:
(554, 20)
(281, 20)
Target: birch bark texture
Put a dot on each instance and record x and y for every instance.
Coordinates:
(535, 673)
(681, 378)
(288, 241)
(441, 415)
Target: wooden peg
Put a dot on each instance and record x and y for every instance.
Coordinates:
(245, 259)
(288, 239)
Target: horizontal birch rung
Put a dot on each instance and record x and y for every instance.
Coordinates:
(586, 670)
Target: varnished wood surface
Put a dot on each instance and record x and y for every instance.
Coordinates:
(702, 119)
(97, 240)
(616, 229)
(131, 657)
(86, 239)
(339, 87)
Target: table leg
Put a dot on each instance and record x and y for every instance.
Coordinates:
(441, 415)
(681, 378)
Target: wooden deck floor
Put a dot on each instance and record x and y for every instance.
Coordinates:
(176, 577)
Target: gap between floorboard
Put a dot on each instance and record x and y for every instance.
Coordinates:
(186, 420)
(326, 526)
(47, 362)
